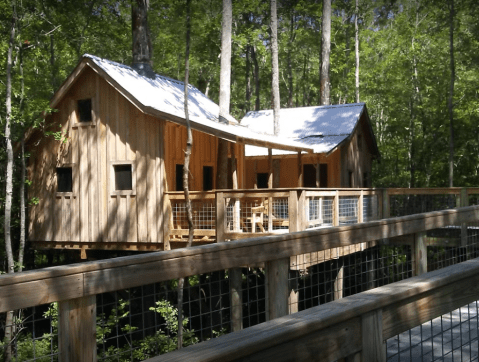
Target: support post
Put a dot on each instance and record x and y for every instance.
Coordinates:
(336, 209)
(420, 253)
(339, 281)
(361, 208)
(277, 284)
(463, 203)
(270, 168)
(300, 170)
(386, 211)
(220, 217)
(236, 299)
(373, 346)
(77, 329)
(296, 223)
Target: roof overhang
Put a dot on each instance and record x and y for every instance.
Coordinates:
(229, 132)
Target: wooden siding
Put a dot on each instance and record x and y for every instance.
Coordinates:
(119, 133)
(95, 212)
(287, 167)
(204, 153)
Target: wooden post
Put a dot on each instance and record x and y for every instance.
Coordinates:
(386, 212)
(220, 217)
(296, 223)
(234, 274)
(420, 254)
(373, 346)
(293, 211)
(463, 203)
(270, 168)
(318, 176)
(300, 170)
(277, 287)
(339, 281)
(236, 299)
(360, 208)
(336, 209)
(77, 329)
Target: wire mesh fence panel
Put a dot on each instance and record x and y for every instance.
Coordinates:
(204, 218)
(319, 211)
(254, 296)
(348, 210)
(450, 337)
(402, 205)
(320, 277)
(34, 334)
(370, 208)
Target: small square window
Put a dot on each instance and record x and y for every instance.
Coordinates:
(84, 110)
(123, 177)
(64, 179)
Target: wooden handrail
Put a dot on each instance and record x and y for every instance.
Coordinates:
(48, 285)
(336, 329)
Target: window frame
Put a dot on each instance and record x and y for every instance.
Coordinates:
(113, 191)
(76, 110)
(73, 166)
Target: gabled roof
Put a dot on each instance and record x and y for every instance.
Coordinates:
(324, 127)
(163, 97)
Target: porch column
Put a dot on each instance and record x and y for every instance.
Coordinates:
(300, 170)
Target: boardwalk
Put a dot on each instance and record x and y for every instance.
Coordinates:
(451, 337)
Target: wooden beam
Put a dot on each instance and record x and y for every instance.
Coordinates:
(277, 287)
(420, 254)
(77, 330)
(270, 168)
(373, 345)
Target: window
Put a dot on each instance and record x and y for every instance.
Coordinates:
(179, 178)
(309, 175)
(323, 175)
(207, 178)
(262, 180)
(123, 177)
(84, 110)
(64, 179)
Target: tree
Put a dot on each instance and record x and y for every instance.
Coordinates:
(450, 103)
(275, 66)
(325, 52)
(225, 92)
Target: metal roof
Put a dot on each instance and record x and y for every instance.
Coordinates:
(164, 97)
(322, 127)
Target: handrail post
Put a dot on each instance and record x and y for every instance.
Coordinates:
(77, 329)
(386, 211)
(463, 203)
(220, 217)
(277, 288)
(373, 346)
(420, 254)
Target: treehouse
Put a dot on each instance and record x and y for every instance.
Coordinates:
(341, 136)
(104, 181)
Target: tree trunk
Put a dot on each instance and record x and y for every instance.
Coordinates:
(450, 103)
(9, 329)
(256, 78)
(356, 28)
(225, 90)
(325, 52)
(248, 80)
(189, 146)
(274, 61)
(21, 248)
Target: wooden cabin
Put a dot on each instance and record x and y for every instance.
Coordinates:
(101, 182)
(341, 136)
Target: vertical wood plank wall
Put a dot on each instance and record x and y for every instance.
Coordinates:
(118, 134)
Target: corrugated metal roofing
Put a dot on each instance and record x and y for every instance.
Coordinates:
(323, 127)
(166, 95)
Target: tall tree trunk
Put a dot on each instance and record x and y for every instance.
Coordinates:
(256, 78)
(21, 248)
(189, 146)
(275, 65)
(356, 28)
(450, 102)
(290, 65)
(225, 90)
(9, 328)
(325, 52)
(248, 80)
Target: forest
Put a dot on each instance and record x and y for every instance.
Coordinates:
(416, 62)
